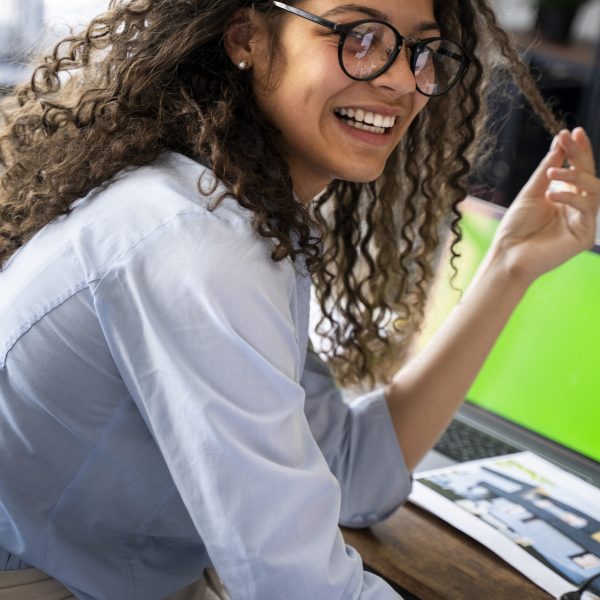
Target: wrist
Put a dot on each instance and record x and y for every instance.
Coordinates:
(508, 268)
(500, 278)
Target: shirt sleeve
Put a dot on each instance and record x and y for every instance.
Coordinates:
(200, 323)
(360, 445)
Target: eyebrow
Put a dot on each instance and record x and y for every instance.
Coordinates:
(377, 14)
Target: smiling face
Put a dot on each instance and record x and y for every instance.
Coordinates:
(334, 127)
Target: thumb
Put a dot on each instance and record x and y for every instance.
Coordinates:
(538, 182)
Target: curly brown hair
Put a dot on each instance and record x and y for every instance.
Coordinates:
(150, 76)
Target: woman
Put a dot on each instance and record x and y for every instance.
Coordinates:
(173, 179)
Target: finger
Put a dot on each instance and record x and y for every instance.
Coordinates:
(583, 180)
(581, 203)
(578, 149)
(580, 220)
(538, 182)
(580, 137)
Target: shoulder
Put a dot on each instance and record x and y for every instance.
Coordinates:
(157, 219)
(138, 201)
(150, 218)
(149, 232)
(160, 209)
(165, 187)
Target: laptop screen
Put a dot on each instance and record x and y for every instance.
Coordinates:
(544, 371)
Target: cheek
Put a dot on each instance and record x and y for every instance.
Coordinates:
(419, 103)
(302, 91)
(304, 77)
(312, 79)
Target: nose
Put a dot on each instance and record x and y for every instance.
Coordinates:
(399, 76)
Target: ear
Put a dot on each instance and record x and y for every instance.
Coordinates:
(243, 31)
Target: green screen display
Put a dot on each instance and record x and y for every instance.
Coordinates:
(544, 371)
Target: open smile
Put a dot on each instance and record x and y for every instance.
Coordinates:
(366, 120)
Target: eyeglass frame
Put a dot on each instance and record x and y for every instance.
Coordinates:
(343, 29)
(578, 593)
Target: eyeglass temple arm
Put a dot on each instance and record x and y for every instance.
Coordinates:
(306, 15)
(450, 54)
(412, 42)
(415, 42)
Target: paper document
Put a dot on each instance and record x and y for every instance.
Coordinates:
(542, 520)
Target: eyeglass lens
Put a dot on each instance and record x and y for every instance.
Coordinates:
(369, 48)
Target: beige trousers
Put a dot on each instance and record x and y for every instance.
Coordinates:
(31, 584)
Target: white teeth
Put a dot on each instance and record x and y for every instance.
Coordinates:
(366, 120)
(365, 127)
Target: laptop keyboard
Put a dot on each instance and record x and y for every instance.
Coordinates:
(462, 442)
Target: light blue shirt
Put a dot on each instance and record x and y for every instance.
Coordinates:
(158, 413)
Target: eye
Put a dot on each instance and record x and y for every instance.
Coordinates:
(369, 38)
(359, 40)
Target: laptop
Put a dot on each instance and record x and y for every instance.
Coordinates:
(539, 389)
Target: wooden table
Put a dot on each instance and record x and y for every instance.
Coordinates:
(434, 561)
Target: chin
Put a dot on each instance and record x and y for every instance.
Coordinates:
(362, 175)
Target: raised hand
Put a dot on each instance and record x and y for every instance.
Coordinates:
(554, 216)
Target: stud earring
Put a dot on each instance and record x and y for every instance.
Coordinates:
(243, 65)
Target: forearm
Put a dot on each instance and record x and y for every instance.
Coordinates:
(427, 391)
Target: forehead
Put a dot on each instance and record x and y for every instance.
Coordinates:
(408, 16)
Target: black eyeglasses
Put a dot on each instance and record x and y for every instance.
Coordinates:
(368, 48)
(578, 594)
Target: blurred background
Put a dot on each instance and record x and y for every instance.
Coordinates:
(28, 25)
(559, 39)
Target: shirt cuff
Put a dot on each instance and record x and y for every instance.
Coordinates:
(379, 465)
